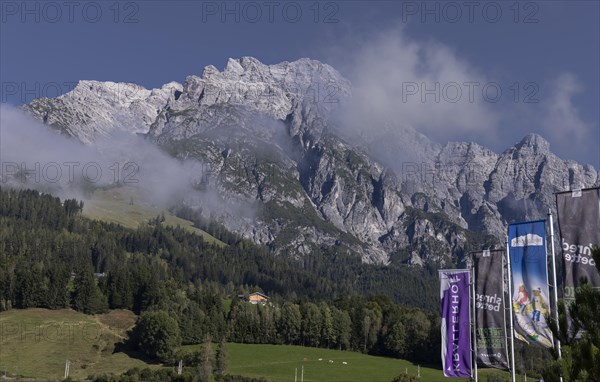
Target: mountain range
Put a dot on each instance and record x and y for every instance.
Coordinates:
(280, 141)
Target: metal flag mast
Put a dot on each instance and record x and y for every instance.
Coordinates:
(474, 317)
(512, 331)
(504, 292)
(554, 287)
(555, 284)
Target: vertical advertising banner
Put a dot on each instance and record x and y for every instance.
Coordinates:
(527, 251)
(456, 323)
(489, 309)
(579, 225)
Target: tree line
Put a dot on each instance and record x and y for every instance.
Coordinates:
(53, 257)
(370, 325)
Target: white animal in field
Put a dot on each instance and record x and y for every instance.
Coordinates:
(330, 361)
(345, 363)
(320, 359)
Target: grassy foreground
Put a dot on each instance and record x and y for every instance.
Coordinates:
(35, 343)
(278, 363)
(124, 206)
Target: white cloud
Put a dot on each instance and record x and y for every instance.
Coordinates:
(562, 118)
(36, 156)
(381, 67)
(424, 84)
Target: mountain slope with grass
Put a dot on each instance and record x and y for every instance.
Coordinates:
(37, 342)
(121, 205)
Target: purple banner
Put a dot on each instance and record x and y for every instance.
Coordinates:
(456, 323)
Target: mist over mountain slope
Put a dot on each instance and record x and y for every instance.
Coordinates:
(283, 158)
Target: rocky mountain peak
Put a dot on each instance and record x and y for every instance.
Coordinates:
(234, 67)
(287, 91)
(173, 85)
(264, 131)
(93, 109)
(97, 107)
(534, 142)
(117, 93)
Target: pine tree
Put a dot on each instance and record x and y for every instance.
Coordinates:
(312, 322)
(157, 335)
(580, 356)
(327, 331)
(87, 297)
(342, 325)
(221, 359)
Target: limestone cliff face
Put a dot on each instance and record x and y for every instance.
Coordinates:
(268, 135)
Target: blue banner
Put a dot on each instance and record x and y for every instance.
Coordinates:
(527, 251)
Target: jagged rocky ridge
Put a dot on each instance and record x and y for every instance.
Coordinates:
(270, 137)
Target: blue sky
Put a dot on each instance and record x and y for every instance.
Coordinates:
(548, 50)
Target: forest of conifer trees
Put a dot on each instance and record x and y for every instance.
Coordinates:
(53, 257)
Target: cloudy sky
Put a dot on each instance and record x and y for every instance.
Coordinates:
(489, 72)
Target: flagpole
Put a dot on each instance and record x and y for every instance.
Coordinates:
(504, 310)
(473, 323)
(512, 331)
(555, 286)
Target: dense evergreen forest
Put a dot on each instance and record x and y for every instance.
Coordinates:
(53, 257)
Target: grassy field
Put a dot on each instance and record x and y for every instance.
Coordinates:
(277, 363)
(37, 342)
(115, 206)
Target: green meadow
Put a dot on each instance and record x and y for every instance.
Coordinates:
(279, 363)
(35, 343)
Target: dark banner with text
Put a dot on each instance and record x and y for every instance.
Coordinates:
(489, 309)
(579, 225)
(456, 323)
